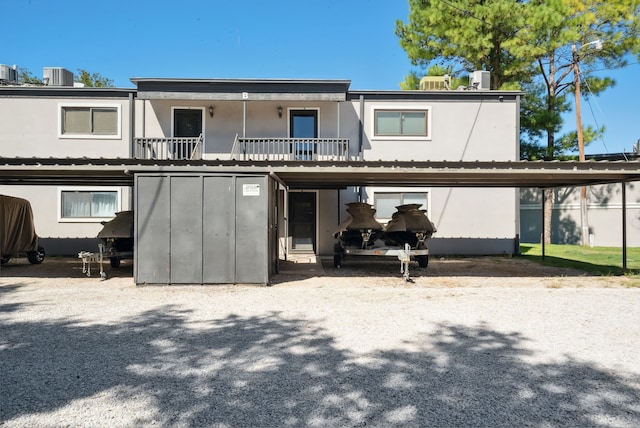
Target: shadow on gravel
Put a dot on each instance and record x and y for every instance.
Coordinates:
(270, 371)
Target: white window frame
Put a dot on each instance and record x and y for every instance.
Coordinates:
(400, 108)
(116, 136)
(62, 219)
(371, 197)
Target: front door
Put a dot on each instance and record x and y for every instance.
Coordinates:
(187, 123)
(302, 221)
(304, 125)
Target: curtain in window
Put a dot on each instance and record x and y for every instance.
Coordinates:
(76, 204)
(104, 204)
(79, 204)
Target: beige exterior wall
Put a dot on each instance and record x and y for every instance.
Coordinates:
(468, 130)
(604, 204)
(30, 126)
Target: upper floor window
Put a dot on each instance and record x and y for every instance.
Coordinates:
(401, 123)
(89, 121)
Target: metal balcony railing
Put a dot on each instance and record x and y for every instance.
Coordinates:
(298, 149)
(169, 148)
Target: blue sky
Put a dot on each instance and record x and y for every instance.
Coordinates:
(328, 39)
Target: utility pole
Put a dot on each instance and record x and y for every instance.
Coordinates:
(584, 220)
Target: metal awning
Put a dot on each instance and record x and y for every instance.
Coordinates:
(326, 175)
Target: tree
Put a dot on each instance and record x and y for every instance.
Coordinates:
(93, 80)
(26, 77)
(527, 44)
(470, 35)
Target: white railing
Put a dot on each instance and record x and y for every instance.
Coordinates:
(298, 149)
(169, 148)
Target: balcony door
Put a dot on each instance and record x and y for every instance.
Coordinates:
(187, 123)
(303, 124)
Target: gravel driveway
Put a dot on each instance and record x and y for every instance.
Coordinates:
(470, 342)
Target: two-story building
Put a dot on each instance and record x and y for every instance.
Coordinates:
(199, 153)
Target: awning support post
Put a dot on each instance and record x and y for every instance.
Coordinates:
(543, 230)
(624, 226)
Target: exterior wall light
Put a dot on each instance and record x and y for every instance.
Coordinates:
(280, 112)
(211, 111)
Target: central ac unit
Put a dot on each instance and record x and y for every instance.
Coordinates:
(433, 83)
(57, 76)
(480, 80)
(8, 74)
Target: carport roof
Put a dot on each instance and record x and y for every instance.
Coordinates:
(325, 175)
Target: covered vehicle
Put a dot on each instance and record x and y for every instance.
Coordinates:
(117, 237)
(17, 230)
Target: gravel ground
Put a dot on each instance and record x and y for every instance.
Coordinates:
(469, 342)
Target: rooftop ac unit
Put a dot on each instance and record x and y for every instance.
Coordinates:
(57, 76)
(8, 74)
(480, 80)
(434, 83)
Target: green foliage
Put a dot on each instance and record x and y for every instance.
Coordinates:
(471, 35)
(26, 77)
(411, 82)
(569, 141)
(93, 80)
(526, 45)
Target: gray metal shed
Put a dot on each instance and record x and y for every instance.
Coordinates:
(204, 228)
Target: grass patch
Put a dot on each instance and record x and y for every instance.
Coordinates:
(595, 260)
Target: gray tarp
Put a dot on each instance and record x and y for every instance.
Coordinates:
(17, 231)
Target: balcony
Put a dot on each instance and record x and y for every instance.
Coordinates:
(295, 149)
(256, 149)
(169, 148)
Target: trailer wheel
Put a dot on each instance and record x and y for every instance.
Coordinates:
(115, 262)
(4, 260)
(36, 257)
(337, 260)
(423, 261)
